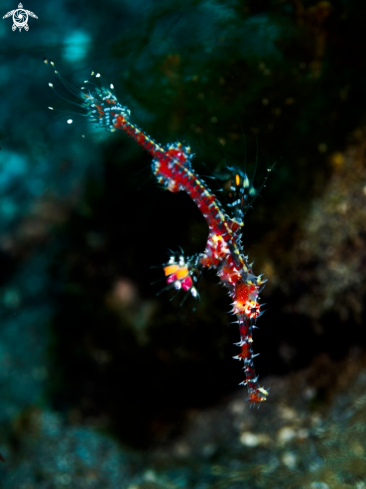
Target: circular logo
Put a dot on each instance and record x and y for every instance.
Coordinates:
(20, 19)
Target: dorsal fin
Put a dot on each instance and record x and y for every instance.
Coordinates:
(241, 191)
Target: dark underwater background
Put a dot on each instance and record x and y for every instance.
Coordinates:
(104, 384)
